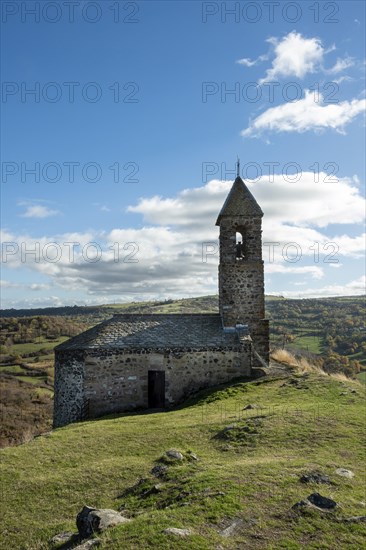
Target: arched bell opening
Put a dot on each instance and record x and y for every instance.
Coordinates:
(240, 244)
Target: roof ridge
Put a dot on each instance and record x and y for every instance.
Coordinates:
(163, 314)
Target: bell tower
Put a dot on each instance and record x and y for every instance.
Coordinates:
(241, 274)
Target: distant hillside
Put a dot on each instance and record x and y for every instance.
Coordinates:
(253, 442)
(332, 327)
(201, 304)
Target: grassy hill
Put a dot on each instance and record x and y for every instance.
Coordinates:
(250, 461)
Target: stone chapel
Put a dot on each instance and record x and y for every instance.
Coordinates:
(147, 361)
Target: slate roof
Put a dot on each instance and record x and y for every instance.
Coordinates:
(239, 202)
(155, 331)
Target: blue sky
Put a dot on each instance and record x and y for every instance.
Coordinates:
(133, 131)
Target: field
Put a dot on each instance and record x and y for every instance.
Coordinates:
(40, 343)
(310, 343)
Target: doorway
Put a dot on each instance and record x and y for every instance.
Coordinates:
(156, 389)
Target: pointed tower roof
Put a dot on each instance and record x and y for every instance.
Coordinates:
(239, 202)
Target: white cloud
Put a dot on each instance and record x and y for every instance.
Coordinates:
(313, 270)
(168, 249)
(342, 79)
(38, 286)
(309, 202)
(351, 246)
(306, 114)
(39, 211)
(191, 207)
(8, 284)
(356, 287)
(295, 56)
(246, 62)
(341, 65)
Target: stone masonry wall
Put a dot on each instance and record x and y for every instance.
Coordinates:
(118, 381)
(241, 294)
(259, 331)
(69, 387)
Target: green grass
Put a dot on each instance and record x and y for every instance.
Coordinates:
(125, 306)
(36, 380)
(11, 369)
(44, 391)
(362, 376)
(252, 473)
(25, 349)
(48, 358)
(309, 343)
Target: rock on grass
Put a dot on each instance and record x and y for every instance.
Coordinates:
(322, 502)
(174, 454)
(345, 473)
(89, 520)
(177, 532)
(315, 477)
(317, 501)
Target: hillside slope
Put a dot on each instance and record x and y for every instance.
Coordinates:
(250, 462)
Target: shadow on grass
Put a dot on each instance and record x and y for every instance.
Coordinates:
(204, 396)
